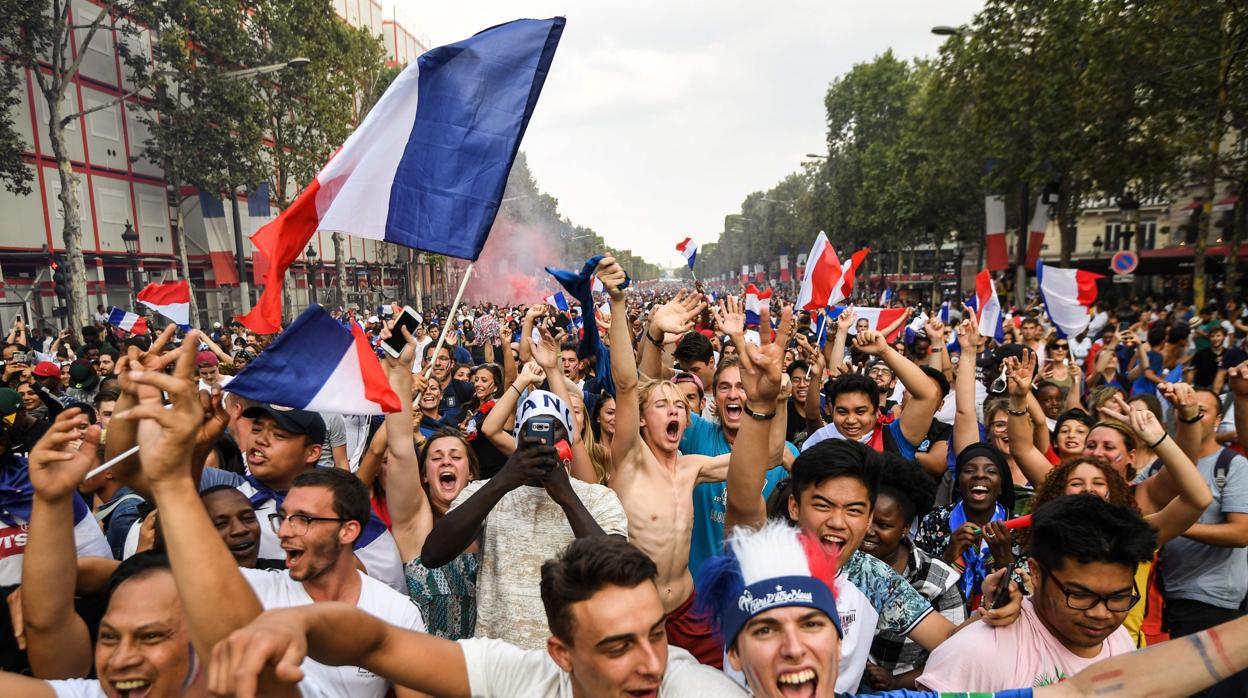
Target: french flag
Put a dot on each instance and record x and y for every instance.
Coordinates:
(987, 305)
(127, 321)
(596, 286)
(427, 167)
(887, 296)
(1068, 296)
(996, 254)
(754, 300)
(845, 288)
(317, 364)
(173, 300)
(952, 341)
(822, 274)
(689, 250)
(558, 301)
(877, 319)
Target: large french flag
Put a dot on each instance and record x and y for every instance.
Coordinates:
(317, 364)
(173, 300)
(427, 167)
(1068, 296)
(754, 300)
(689, 250)
(845, 288)
(821, 277)
(877, 319)
(987, 305)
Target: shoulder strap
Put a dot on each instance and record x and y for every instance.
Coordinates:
(1220, 468)
(107, 511)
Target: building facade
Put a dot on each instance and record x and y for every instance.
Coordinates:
(118, 186)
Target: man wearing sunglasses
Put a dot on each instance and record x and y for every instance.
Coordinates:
(1083, 555)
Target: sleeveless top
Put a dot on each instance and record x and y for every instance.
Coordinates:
(446, 596)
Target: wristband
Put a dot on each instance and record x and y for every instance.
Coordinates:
(1193, 420)
(758, 416)
(1153, 446)
(1013, 413)
(656, 342)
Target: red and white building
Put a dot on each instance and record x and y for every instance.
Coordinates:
(117, 185)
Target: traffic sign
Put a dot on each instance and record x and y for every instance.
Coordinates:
(1124, 278)
(1124, 262)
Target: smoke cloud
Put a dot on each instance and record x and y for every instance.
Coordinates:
(511, 270)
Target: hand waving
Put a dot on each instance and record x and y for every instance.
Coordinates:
(57, 467)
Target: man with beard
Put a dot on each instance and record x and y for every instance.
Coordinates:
(654, 481)
(317, 521)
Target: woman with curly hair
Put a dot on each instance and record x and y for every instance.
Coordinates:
(1093, 475)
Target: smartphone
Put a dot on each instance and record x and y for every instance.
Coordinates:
(541, 428)
(1003, 597)
(394, 344)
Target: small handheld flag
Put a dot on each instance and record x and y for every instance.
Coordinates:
(689, 250)
(127, 321)
(822, 277)
(558, 301)
(754, 300)
(317, 364)
(173, 300)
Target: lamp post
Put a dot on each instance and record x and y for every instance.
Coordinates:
(1097, 244)
(131, 240)
(310, 254)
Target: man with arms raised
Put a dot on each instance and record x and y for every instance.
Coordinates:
(654, 481)
(606, 641)
(833, 497)
(317, 522)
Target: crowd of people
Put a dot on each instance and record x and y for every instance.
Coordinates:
(661, 494)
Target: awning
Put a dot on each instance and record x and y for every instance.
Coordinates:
(1195, 204)
(1226, 204)
(1188, 251)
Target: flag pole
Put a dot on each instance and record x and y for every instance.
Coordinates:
(450, 318)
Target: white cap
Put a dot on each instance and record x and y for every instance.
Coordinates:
(216, 325)
(541, 402)
(372, 318)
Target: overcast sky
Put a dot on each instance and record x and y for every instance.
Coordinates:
(658, 118)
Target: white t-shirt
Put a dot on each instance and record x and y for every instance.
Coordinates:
(498, 669)
(380, 555)
(858, 621)
(224, 381)
(523, 530)
(89, 541)
(278, 590)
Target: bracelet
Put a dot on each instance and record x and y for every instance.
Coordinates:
(1193, 420)
(656, 342)
(1015, 413)
(1153, 446)
(518, 391)
(758, 416)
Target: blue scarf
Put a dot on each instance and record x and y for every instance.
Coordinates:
(581, 287)
(973, 576)
(16, 492)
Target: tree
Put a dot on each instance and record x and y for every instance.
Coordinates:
(52, 42)
(13, 172)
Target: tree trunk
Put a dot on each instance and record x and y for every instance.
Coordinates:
(1237, 234)
(340, 270)
(1200, 288)
(179, 245)
(1020, 269)
(79, 312)
(936, 274)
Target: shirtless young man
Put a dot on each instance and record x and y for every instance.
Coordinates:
(653, 481)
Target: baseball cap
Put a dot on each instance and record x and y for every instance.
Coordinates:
(290, 419)
(47, 369)
(82, 376)
(206, 358)
(10, 401)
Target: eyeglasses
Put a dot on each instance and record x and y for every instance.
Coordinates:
(880, 371)
(1086, 600)
(299, 523)
(1059, 347)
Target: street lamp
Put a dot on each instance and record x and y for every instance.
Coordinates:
(131, 240)
(1097, 244)
(310, 254)
(1129, 207)
(946, 30)
(817, 156)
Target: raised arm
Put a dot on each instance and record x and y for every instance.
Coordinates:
(938, 333)
(1186, 416)
(750, 459)
(338, 635)
(965, 419)
(836, 351)
(814, 390)
(203, 567)
(1238, 377)
(673, 318)
(1022, 422)
(623, 366)
(411, 516)
(546, 352)
(495, 424)
(916, 419)
(526, 330)
(58, 643)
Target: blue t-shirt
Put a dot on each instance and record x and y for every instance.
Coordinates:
(906, 693)
(710, 499)
(1142, 385)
